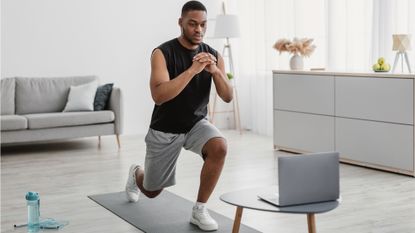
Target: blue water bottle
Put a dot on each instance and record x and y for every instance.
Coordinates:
(33, 211)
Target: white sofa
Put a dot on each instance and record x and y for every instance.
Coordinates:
(31, 111)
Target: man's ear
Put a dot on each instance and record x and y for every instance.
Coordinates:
(180, 22)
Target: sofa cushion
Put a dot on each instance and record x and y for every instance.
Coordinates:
(81, 97)
(44, 95)
(102, 96)
(13, 122)
(7, 96)
(50, 120)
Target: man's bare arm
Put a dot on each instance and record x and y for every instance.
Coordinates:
(223, 85)
(162, 88)
(217, 69)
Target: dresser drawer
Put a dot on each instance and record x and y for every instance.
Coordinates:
(306, 132)
(379, 99)
(304, 93)
(377, 143)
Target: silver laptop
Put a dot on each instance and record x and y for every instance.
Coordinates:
(303, 179)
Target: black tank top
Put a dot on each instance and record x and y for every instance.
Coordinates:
(181, 113)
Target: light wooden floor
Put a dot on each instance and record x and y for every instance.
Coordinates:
(65, 173)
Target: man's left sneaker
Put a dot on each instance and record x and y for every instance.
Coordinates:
(131, 189)
(201, 218)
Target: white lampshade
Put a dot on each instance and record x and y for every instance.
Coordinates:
(227, 26)
(401, 42)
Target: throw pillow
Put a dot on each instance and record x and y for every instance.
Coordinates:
(81, 98)
(102, 96)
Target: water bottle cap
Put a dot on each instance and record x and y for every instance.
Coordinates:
(32, 196)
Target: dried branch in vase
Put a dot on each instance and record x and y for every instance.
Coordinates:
(302, 46)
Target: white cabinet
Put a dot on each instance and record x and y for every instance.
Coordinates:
(294, 130)
(376, 143)
(368, 118)
(379, 99)
(302, 94)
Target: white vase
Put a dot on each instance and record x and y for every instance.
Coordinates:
(296, 62)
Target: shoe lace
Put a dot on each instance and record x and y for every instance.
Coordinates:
(203, 212)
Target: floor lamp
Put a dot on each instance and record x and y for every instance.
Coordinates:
(227, 26)
(401, 44)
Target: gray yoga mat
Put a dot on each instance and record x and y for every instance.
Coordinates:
(167, 213)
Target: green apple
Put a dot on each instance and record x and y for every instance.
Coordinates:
(376, 67)
(381, 61)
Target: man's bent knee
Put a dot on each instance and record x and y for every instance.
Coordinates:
(215, 148)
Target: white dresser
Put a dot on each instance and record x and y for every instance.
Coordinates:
(367, 117)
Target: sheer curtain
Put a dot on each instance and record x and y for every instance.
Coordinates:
(349, 34)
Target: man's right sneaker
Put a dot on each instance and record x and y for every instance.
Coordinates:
(201, 218)
(131, 189)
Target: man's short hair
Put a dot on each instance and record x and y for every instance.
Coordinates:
(193, 6)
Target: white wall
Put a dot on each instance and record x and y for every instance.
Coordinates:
(109, 38)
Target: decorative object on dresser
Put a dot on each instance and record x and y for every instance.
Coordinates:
(401, 44)
(381, 65)
(297, 47)
(367, 117)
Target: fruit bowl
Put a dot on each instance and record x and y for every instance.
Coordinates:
(381, 65)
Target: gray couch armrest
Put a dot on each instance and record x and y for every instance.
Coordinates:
(116, 105)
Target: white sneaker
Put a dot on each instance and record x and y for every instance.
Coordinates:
(131, 189)
(201, 218)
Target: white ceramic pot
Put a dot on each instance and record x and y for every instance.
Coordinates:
(296, 62)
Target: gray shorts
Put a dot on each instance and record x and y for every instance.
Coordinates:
(163, 149)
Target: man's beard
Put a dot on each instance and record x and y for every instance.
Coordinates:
(189, 39)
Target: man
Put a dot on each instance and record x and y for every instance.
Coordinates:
(182, 70)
